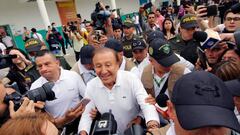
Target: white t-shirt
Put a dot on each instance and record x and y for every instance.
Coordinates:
(7, 41)
(38, 36)
(69, 90)
(123, 99)
(2, 48)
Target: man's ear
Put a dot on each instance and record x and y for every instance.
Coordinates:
(171, 111)
(57, 62)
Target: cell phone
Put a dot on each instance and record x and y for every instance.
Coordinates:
(162, 110)
(84, 102)
(148, 5)
(211, 10)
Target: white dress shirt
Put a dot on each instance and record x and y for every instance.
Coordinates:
(123, 99)
(134, 70)
(183, 61)
(7, 41)
(69, 90)
(142, 65)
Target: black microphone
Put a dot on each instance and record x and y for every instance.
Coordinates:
(235, 8)
(162, 100)
(107, 125)
(237, 38)
(207, 38)
(200, 36)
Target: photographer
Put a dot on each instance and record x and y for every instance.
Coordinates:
(77, 41)
(53, 42)
(7, 112)
(22, 71)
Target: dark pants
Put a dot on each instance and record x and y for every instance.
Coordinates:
(77, 55)
(63, 46)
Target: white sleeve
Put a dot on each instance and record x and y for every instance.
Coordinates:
(135, 71)
(148, 110)
(183, 61)
(86, 120)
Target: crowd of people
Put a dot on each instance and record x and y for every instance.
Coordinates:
(173, 70)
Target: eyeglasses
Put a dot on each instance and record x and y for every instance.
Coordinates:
(234, 19)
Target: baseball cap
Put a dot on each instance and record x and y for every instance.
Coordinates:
(234, 87)
(138, 44)
(155, 35)
(162, 52)
(86, 54)
(128, 24)
(201, 99)
(188, 21)
(114, 44)
(33, 45)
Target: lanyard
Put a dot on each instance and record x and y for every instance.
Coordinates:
(159, 83)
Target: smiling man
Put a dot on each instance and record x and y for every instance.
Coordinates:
(116, 90)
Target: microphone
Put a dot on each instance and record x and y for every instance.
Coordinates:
(161, 105)
(235, 8)
(107, 125)
(207, 39)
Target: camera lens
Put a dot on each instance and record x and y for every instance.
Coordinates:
(42, 93)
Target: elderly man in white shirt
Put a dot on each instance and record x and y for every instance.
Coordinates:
(68, 88)
(118, 90)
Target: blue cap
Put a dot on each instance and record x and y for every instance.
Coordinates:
(114, 44)
(201, 99)
(86, 54)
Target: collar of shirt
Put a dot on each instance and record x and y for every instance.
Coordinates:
(122, 66)
(83, 69)
(145, 61)
(117, 83)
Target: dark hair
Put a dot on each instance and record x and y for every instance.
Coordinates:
(115, 27)
(227, 12)
(44, 52)
(150, 13)
(14, 67)
(34, 30)
(104, 50)
(172, 30)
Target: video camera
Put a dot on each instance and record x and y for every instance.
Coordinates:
(99, 16)
(6, 60)
(39, 94)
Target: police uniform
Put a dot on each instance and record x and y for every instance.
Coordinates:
(186, 49)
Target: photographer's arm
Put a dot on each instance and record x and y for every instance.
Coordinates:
(201, 11)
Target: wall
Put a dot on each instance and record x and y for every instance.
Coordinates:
(19, 14)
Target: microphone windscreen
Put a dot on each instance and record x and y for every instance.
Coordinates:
(236, 8)
(162, 100)
(200, 36)
(106, 116)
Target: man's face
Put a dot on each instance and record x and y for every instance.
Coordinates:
(88, 66)
(106, 67)
(200, 131)
(187, 34)
(232, 22)
(117, 33)
(128, 31)
(47, 66)
(158, 67)
(151, 19)
(89, 28)
(231, 55)
(213, 55)
(140, 54)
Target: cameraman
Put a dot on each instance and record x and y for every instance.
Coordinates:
(7, 112)
(78, 41)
